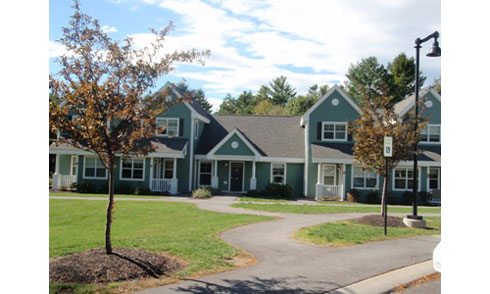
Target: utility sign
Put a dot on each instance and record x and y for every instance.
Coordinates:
(388, 147)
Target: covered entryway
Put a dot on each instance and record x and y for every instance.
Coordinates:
(236, 176)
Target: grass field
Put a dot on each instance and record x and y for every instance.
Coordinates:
(98, 195)
(179, 229)
(307, 209)
(346, 233)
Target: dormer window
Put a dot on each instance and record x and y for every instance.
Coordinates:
(334, 131)
(167, 127)
(431, 134)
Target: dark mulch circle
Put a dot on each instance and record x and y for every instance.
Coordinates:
(95, 266)
(379, 221)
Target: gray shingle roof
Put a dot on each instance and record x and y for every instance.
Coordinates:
(400, 106)
(332, 150)
(272, 136)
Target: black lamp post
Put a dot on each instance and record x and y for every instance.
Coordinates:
(435, 51)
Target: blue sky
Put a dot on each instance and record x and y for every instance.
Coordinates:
(252, 42)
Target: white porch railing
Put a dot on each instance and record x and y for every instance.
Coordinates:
(161, 185)
(329, 191)
(63, 181)
(435, 197)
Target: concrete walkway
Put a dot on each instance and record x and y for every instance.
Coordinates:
(288, 266)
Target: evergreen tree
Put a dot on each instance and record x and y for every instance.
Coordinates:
(228, 106)
(197, 96)
(281, 91)
(402, 77)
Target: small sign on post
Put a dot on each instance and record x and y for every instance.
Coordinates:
(388, 147)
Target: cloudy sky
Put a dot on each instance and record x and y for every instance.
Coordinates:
(252, 42)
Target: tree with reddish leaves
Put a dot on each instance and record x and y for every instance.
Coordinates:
(102, 83)
(379, 119)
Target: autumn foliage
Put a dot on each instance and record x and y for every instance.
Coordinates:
(101, 84)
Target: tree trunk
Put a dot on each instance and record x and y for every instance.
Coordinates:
(384, 195)
(108, 245)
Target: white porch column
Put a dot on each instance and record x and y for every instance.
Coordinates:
(253, 180)
(214, 178)
(344, 169)
(56, 175)
(174, 181)
(318, 192)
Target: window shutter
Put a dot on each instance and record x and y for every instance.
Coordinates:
(349, 134)
(181, 127)
(319, 131)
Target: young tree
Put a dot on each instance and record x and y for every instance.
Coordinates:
(379, 119)
(281, 91)
(103, 81)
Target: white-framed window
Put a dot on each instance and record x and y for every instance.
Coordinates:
(403, 178)
(93, 168)
(132, 169)
(163, 168)
(329, 172)
(431, 134)
(170, 126)
(74, 165)
(334, 131)
(196, 130)
(278, 173)
(363, 179)
(205, 172)
(433, 178)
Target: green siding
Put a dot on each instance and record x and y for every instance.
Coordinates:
(434, 112)
(294, 177)
(223, 172)
(248, 175)
(64, 164)
(262, 174)
(241, 150)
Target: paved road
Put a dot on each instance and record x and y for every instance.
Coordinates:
(287, 266)
(430, 287)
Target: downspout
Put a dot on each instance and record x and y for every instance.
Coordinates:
(191, 153)
(307, 155)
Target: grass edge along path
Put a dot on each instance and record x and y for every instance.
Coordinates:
(315, 209)
(348, 233)
(178, 229)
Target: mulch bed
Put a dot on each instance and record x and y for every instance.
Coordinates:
(95, 266)
(379, 221)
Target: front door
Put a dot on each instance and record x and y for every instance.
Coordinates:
(236, 176)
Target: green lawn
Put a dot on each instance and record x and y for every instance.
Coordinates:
(307, 209)
(74, 194)
(179, 229)
(258, 199)
(346, 233)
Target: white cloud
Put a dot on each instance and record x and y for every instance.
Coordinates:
(216, 102)
(109, 29)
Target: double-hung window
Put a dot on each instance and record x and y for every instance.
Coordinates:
(74, 165)
(167, 127)
(132, 169)
(329, 174)
(431, 134)
(434, 178)
(205, 170)
(363, 179)
(93, 168)
(278, 173)
(335, 131)
(403, 178)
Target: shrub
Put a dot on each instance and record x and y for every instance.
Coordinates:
(373, 197)
(327, 198)
(86, 187)
(407, 198)
(353, 195)
(124, 188)
(202, 193)
(253, 193)
(423, 198)
(142, 191)
(279, 191)
(216, 191)
(104, 188)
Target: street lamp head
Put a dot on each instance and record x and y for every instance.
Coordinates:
(435, 51)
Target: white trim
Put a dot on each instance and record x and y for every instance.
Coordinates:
(362, 188)
(196, 126)
(421, 163)
(74, 166)
(334, 173)
(191, 156)
(229, 176)
(306, 116)
(151, 173)
(334, 123)
(227, 137)
(167, 155)
(412, 103)
(194, 113)
(285, 172)
(332, 160)
(95, 171)
(132, 168)
(428, 135)
(250, 158)
(199, 173)
(166, 129)
(438, 178)
(307, 156)
(282, 160)
(419, 173)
